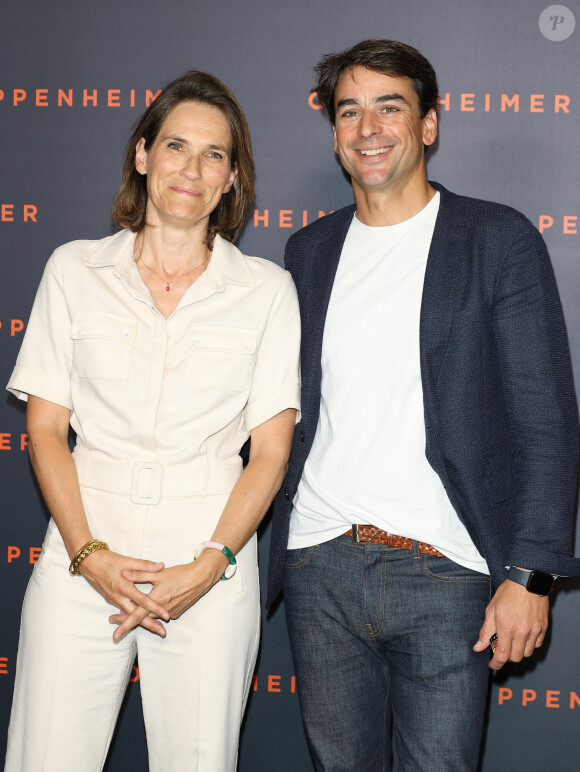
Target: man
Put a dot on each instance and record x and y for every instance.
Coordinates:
(438, 444)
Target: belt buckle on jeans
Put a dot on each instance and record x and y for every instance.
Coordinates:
(355, 533)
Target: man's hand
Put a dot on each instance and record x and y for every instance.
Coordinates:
(520, 619)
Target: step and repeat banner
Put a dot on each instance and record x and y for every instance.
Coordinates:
(73, 79)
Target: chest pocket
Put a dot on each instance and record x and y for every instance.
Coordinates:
(220, 357)
(103, 344)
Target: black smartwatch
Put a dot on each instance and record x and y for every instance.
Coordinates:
(538, 582)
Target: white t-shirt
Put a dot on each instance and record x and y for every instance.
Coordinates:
(367, 463)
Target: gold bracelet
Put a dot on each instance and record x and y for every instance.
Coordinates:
(91, 546)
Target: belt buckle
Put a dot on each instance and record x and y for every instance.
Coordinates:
(153, 482)
(355, 537)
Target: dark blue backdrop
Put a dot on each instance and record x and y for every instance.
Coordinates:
(73, 78)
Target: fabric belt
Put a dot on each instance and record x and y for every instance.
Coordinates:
(147, 482)
(371, 534)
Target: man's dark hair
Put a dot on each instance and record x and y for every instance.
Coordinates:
(387, 56)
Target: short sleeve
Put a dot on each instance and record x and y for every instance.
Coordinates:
(43, 365)
(276, 381)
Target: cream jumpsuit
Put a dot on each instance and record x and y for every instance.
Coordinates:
(161, 408)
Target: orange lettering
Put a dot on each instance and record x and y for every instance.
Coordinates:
(444, 101)
(65, 98)
(4, 665)
(42, 97)
(5, 438)
(30, 212)
(545, 222)
(274, 683)
(151, 97)
(285, 218)
(561, 102)
(16, 325)
(528, 695)
(513, 102)
(132, 102)
(134, 674)
(504, 695)
(574, 700)
(19, 96)
(7, 213)
(1, 95)
(313, 102)
(552, 699)
(33, 554)
(467, 103)
(23, 441)
(260, 218)
(89, 97)
(113, 96)
(487, 96)
(323, 214)
(293, 684)
(536, 103)
(255, 682)
(13, 553)
(570, 223)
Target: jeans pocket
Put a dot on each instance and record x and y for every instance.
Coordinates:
(446, 570)
(300, 557)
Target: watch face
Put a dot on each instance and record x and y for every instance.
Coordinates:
(540, 583)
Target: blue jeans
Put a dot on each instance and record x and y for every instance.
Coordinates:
(381, 634)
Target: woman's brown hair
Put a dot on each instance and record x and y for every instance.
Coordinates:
(130, 204)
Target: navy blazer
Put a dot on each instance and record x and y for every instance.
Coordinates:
(499, 404)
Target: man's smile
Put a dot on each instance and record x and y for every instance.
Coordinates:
(375, 151)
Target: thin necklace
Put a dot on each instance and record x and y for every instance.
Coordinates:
(177, 278)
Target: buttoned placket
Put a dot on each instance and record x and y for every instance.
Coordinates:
(163, 340)
(147, 473)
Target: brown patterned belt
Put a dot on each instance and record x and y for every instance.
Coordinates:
(376, 536)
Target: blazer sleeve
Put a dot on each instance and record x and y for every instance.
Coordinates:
(536, 375)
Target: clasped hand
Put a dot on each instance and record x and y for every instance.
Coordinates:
(105, 572)
(173, 590)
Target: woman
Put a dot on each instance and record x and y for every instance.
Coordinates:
(165, 348)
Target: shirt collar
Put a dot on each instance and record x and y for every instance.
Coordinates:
(116, 250)
(227, 265)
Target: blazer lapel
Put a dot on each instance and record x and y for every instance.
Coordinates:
(315, 297)
(441, 281)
